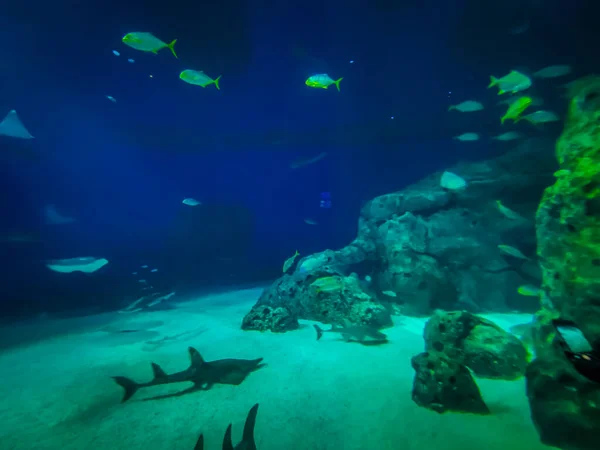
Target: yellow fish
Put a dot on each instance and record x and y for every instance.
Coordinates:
(529, 290)
(322, 80)
(289, 262)
(327, 284)
(147, 42)
(513, 82)
(199, 78)
(516, 109)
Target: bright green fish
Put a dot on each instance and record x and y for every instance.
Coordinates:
(147, 42)
(516, 109)
(322, 80)
(529, 290)
(199, 78)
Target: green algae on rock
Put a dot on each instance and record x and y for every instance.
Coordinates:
(565, 406)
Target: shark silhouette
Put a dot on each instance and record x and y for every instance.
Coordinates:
(247, 442)
(202, 373)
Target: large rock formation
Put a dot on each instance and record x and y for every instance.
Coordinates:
(433, 248)
(565, 406)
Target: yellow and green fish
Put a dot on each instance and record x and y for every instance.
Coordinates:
(516, 109)
(290, 262)
(199, 78)
(513, 82)
(327, 284)
(529, 290)
(147, 42)
(322, 80)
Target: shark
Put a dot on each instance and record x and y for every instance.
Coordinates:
(247, 442)
(201, 373)
(357, 333)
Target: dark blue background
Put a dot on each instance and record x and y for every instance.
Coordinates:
(122, 169)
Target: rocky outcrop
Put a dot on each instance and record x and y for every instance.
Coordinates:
(292, 297)
(565, 406)
(442, 385)
(481, 345)
(432, 248)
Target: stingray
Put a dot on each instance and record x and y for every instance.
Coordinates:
(85, 264)
(13, 127)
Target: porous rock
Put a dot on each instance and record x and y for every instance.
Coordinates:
(442, 385)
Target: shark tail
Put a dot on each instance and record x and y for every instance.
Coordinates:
(200, 443)
(319, 331)
(130, 387)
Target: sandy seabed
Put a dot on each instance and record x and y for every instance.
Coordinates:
(57, 392)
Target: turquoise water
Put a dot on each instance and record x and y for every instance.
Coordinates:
(357, 225)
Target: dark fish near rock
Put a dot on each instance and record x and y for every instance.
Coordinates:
(247, 442)
(202, 373)
(356, 333)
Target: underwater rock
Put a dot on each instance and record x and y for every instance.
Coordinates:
(438, 249)
(565, 407)
(481, 345)
(442, 385)
(294, 295)
(266, 317)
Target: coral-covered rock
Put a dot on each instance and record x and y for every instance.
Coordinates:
(266, 317)
(441, 385)
(437, 249)
(294, 295)
(565, 406)
(482, 346)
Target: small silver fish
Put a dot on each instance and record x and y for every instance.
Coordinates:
(507, 212)
(508, 136)
(144, 266)
(466, 106)
(116, 53)
(154, 270)
(553, 71)
(111, 98)
(541, 117)
(512, 251)
(191, 202)
(131, 60)
(467, 137)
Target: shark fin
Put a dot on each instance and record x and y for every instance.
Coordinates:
(248, 436)
(319, 332)
(158, 372)
(196, 359)
(200, 443)
(227, 444)
(130, 387)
